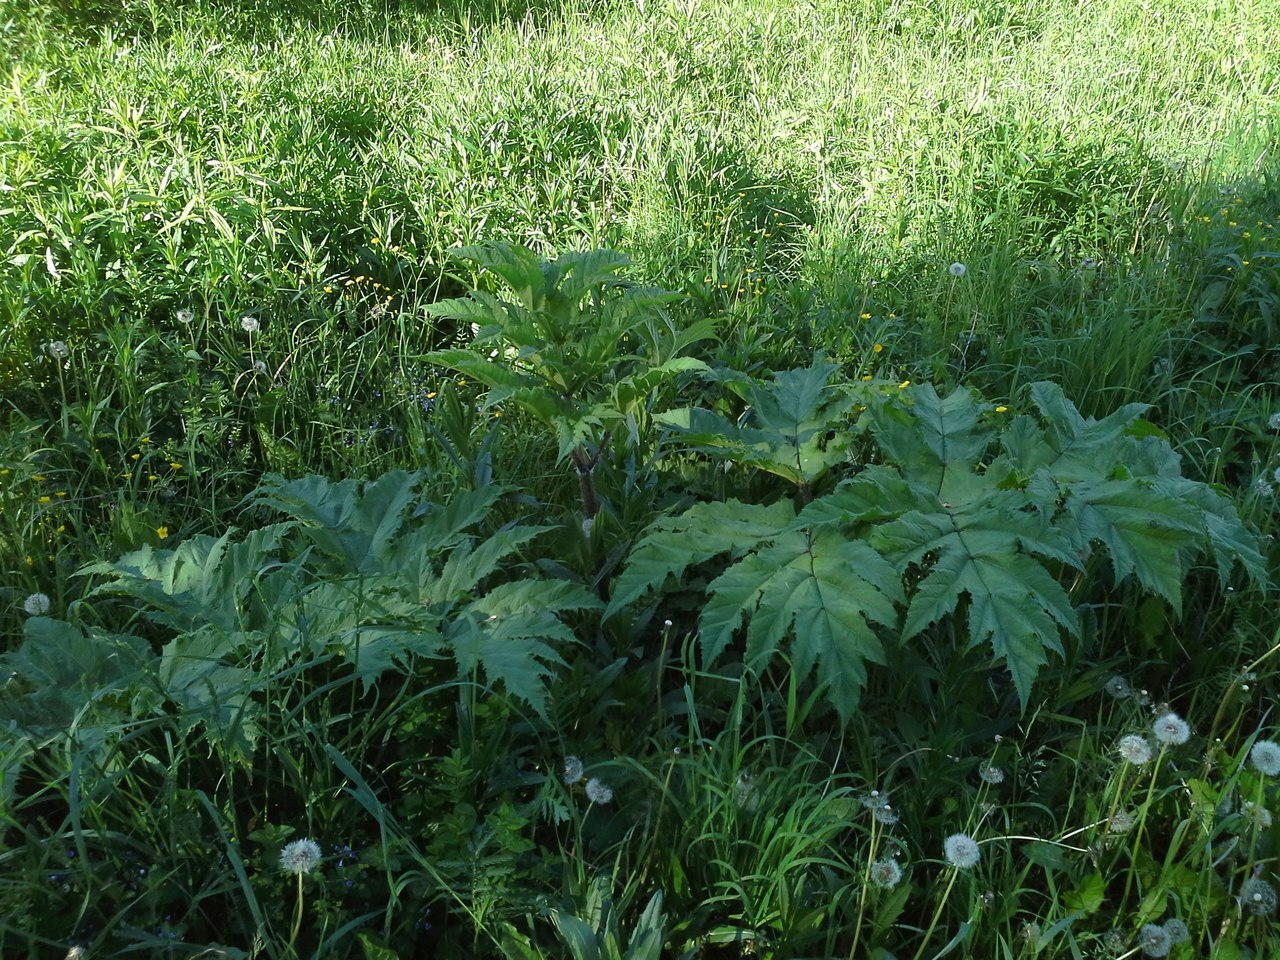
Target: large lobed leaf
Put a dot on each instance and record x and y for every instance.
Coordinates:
(820, 587)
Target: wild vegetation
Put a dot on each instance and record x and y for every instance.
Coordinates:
(624, 481)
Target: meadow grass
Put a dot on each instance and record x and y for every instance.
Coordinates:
(222, 227)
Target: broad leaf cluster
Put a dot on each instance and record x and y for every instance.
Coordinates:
(962, 518)
(359, 573)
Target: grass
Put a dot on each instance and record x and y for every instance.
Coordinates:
(221, 229)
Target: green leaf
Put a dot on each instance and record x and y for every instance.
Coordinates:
(59, 668)
(518, 266)
(204, 580)
(1088, 897)
(374, 950)
(1071, 447)
(576, 935)
(980, 550)
(352, 523)
(673, 544)
(797, 430)
(825, 588)
(650, 932)
(1144, 528)
(934, 436)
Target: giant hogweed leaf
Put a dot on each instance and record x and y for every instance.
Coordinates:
(938, 440)
(353, 523)
(60, 667)
(821, 587)
(469, 564)
(482, 369)
(1070, 446)
(987, 549)
(673, 544)
(511, 649)
(576, 273)
(1146, 529)
(521, 268)
(636, 388)
(795, 419)
(204, 580)
(194, 673)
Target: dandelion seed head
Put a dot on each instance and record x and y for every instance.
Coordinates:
(250, 324)
(1265, 757)
(573, 770)
(1273, 421)
(1257, 814)
(957, 269)
(184, 316)
(1258, 897)
(990, 773)
(300, 856)
(886, 815)
(1120, 822)
(36, 604)
(1134, 749)
(961, 851)
(598, 792)
(1154, 940)
(885, 873)
(1177, 930)
(1118, 687)
(1171, 729)
(1113, 941)
(57, 349)
(260, 368)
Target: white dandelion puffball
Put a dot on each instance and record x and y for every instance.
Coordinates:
(1258, 897)
(57, 349)
(961, 851)
(1135, 749)
(1178, 931)
(1118, 687)
(957, 270)
(250, 324)
(1120, 822)
(300, 856)
(1154, 940)
(1273, 421)
(184, 316)
(990, 773)
(36, 604)
(598, 792)
(885, 873)
(1171, 729)
(1266, 757)
(573, 770)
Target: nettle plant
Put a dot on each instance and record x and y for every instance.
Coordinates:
(964, 518)
(572, 343)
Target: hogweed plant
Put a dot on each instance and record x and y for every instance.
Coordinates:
(956, 513)
(571, 343)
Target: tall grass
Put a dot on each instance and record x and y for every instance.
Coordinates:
(220, 228)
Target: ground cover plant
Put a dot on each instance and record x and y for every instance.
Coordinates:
(656, 480)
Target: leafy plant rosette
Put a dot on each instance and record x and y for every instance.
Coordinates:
(571, 343)
(364, 574)
(963, 518)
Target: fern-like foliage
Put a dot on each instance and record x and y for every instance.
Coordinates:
(358, 571)
(571, 342)
(961, 519)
